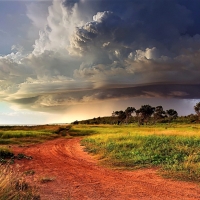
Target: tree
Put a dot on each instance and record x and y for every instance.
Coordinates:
(129, 111)
(75, 122)
(159, 113)
(121, 116)
(172, 114)
(144, 113)
(197, 109)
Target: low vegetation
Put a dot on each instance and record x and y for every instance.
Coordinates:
(29, 134)
(174, 149)
(47, 179)
(5, 153)
(14, 187)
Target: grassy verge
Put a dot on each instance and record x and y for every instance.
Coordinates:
(174, 149)
(13, 185)
(28, 134)
(25, 137)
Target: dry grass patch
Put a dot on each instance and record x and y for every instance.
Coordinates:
(13, 186)
(47, 179)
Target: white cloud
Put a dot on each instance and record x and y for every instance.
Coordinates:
(84, 54)
(37, 13)
(152, 54)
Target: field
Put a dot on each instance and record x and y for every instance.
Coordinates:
(174, 149)
(170, 150)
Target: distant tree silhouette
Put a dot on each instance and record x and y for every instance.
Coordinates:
(172, 114)
(128, 112)
(75, 122)
(159, 113)
(197, 109)
(144, 114)
(121, 116)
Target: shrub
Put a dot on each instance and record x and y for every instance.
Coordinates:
(5, 153)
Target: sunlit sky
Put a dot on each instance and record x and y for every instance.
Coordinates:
(67, 60)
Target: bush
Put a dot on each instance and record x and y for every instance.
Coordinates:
(5, 154)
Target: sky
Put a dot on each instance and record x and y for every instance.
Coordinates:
(67, 60)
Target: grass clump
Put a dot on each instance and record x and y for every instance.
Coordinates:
(6, 155)
(29, 172)
(47, 179)
(177, 155)
(14, 187)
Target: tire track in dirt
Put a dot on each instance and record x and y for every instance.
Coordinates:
(79, 177)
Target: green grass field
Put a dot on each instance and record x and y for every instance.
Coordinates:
(23, 135)
(174, 148)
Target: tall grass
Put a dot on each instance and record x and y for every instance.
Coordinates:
(14, 187)
(175, 150)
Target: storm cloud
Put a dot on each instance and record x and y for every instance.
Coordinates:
(92, 51)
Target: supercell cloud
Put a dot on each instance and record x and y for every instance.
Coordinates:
(89, 51)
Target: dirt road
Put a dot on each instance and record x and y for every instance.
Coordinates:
(77, 176)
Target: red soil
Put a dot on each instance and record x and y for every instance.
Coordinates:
(79, 177)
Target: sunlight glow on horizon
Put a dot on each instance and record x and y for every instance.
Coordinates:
(90, 111)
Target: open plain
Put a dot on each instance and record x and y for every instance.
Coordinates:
(73, 174)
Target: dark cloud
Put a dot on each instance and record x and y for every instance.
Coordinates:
(98, 50)
(137, 24)
(61, 101)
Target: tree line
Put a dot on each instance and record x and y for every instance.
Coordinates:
(146, 114)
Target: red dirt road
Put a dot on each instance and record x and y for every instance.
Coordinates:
(79, 177)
